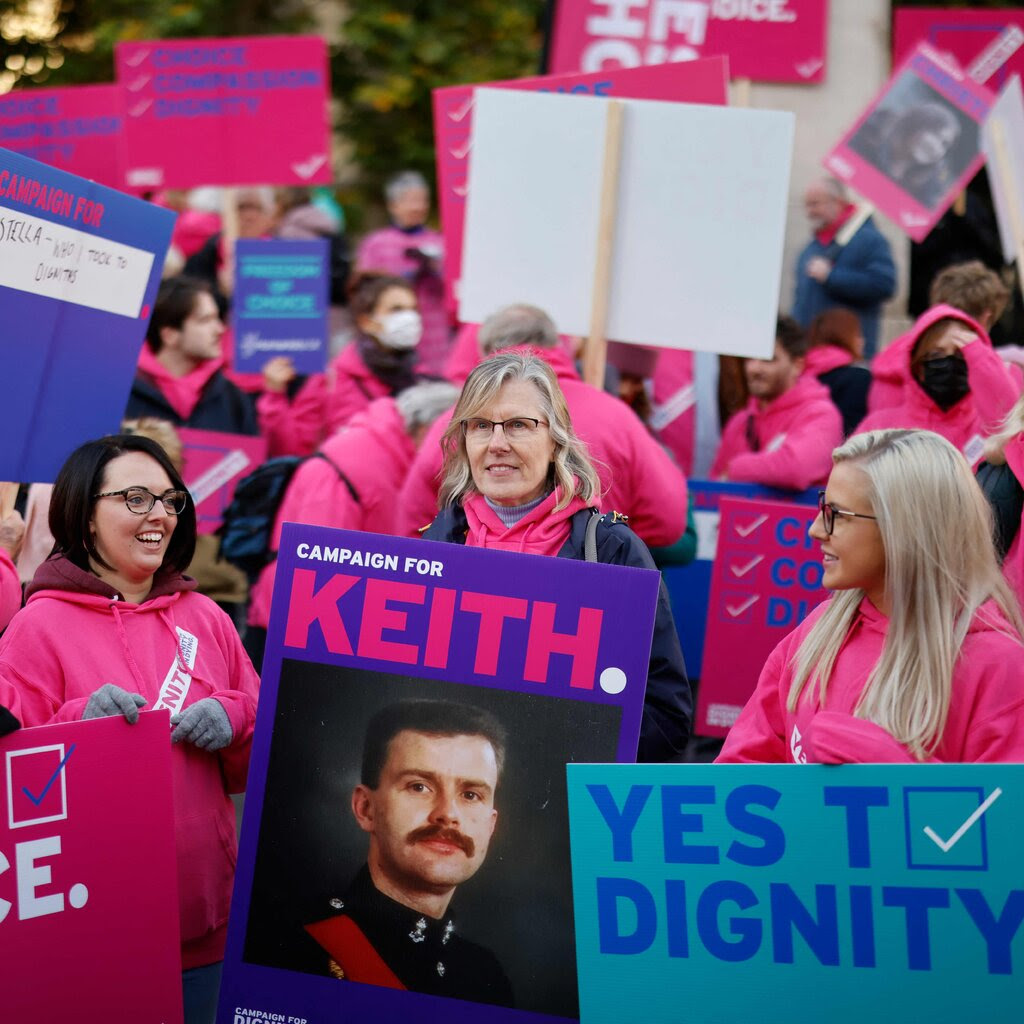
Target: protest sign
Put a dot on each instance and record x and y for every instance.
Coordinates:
(228, 111)
(214, 463)
(765, 581)
(689, 586)
(556, 650)
(76, 129)
(764, 892)
(765, 40)
(279, 307)
(533, 213)
(88, 879)
(917, 144)
(965, 34)
(700, 81)
(79, 269)
(1002, 140)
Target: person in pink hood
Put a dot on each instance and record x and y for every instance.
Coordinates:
(835, 347)
(958, 386)
(516, 477)
(111, 627)
(352, 484)
(916, 656)
(785, 435)
(637, 477)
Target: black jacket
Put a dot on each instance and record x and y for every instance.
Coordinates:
(668, 702)
(222, 406)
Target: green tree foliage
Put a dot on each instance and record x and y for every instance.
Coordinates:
(394, 53)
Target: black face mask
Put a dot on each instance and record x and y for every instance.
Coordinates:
(944, 381)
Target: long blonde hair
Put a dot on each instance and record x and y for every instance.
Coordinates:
(571, 468)
(940, 567)
(1012, 425)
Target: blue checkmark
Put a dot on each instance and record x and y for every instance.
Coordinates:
(53, 778)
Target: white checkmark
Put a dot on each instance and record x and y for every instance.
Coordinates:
(138, 83)
(462, 152)
(742, 570)
(136, 58)
(746, 531)
(947, 845)
(140, 108)
(458, 115)
(740, 609)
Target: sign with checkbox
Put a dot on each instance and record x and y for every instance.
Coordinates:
(37, 785)
(892, 892)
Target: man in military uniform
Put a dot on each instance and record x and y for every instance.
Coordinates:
(426, 799)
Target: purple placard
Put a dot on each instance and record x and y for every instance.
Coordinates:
(79, 269)
(361, 620)
(917, 144)
(280, 303)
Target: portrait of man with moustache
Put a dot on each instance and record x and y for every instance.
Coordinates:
(426, 801)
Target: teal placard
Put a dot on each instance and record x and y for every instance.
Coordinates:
(780, 893)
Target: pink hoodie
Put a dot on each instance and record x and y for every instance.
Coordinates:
(177, 647)
(10, 589)
(796, 433)
(675, 405)
(968, 422)
(351, 387)
(543, 531)
(823, 358)
(294, 426)
(638, 478)
(374, 452)
(182, 393)
(986, 712)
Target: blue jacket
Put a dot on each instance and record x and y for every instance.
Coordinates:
(863, 277)
(668, 703)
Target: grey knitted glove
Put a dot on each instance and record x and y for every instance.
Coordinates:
(205, 723)
(111, 700)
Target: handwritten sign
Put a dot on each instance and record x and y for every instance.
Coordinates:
(765, 40)
(765, 581)
(557, 650)
(700, 81)
(917, 144)
(76, 129)
(79, 269)
(891, 891)
(83, 805)
(240, 111)
(214, 463)
(280, 304)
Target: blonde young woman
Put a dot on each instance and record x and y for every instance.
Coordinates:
(917, 655)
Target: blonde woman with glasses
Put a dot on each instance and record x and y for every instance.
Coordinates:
(916, 657)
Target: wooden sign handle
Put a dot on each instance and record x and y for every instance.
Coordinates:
(596, 349)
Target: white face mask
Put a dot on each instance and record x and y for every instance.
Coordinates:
(401, 330)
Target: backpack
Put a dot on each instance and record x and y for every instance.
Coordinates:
(249, 519)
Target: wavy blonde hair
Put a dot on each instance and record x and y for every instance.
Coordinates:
(1012, 425)
(940, 568)
(571, 468)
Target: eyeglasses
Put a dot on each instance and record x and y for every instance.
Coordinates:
(829, 512)
(516, 429)
(141, 500)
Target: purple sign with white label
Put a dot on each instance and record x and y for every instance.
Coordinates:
(405, 850)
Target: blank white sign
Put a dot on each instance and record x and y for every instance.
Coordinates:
(701, 215)
(1008, 111)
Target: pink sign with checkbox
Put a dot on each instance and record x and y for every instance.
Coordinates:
(765, 580)
(88, 876)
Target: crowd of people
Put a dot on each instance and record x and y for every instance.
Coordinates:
(487, 435)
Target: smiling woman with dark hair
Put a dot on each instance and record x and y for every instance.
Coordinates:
(113, 626)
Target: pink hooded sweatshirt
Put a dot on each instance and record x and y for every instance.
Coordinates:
(674, 420)
(638, 478)
(351, 387)
(294, 426)
(177, 647)
(986, 711)
(374, 452)
(796, 433)
(10, 589)
(975, 416)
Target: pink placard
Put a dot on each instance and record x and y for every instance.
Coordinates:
(918, 142)
(962, 33)
(225, 111)
(214, 463)
(701, 81)
(765, 40)
(88, 879)
(76, 129)
(765, 580)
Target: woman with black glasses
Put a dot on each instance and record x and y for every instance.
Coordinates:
(916, 656)
(112, 627)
